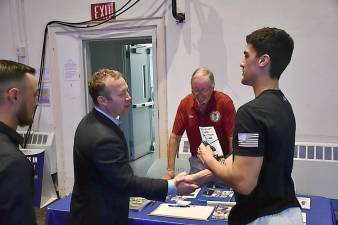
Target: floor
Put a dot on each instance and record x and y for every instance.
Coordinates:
(40, 215)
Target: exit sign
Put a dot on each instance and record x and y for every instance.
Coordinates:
(103, 11)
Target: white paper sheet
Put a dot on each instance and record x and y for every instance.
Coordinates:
(208, 135)
(305, 203)
(194, 212)
(192, 195)
(304, 217)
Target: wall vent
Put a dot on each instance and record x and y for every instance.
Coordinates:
(43, 140)
(316, 151)
(315, 168)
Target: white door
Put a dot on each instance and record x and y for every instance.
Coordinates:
(139, 71)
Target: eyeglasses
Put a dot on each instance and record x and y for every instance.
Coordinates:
(200, 91)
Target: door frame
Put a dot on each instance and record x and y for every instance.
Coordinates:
(114, 29)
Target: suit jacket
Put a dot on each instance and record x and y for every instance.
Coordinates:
(104, 180)
(16, 181)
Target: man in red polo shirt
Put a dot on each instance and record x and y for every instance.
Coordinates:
(205, 107)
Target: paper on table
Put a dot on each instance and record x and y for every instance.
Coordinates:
(304, 217)
(192, 195)
(138, 203)
(208, 135)
(221, 212)
(194, 212)
(304, 202)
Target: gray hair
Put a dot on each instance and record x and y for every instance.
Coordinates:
(206, 72)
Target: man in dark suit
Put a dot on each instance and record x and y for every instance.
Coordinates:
(104, 180)
(18, 99)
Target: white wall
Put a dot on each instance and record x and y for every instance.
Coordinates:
(214, 36)
(7, 46)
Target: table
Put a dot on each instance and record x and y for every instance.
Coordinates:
(321, 213)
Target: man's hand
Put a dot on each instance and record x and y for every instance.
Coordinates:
(183, 185)
(169, 174)
(205, 154)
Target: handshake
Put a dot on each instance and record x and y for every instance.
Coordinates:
(185, 183)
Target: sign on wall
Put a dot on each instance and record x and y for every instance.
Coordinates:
(103, 11)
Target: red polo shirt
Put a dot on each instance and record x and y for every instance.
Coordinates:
(220, 113)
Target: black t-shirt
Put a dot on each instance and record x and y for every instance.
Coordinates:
(265, 127)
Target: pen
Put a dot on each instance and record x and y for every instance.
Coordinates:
(179, 206)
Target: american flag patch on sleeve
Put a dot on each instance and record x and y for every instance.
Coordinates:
(248, 140)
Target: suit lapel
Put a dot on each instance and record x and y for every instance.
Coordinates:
(103, 119)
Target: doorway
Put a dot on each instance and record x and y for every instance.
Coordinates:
(134, 59)
(71, 66)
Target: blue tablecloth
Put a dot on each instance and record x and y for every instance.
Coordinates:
(321, 213)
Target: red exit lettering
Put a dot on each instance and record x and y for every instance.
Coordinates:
(103, 11)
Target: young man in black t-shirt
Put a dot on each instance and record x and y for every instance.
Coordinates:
(260, 169)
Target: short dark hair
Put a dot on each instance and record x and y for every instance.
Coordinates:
(97, 86)
(12, 72)
(277, 44)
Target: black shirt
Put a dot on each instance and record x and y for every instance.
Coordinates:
(16, 181)
(265, 127)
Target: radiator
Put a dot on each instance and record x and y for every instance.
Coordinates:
(315, 169)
